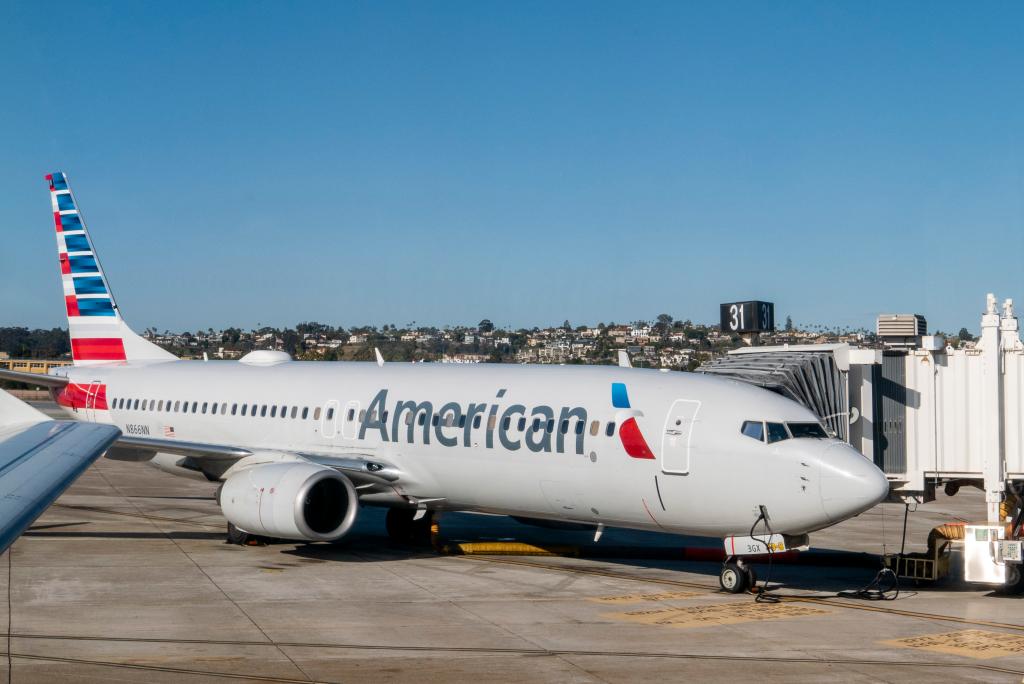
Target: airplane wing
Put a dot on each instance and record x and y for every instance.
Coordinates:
(39, 459)
(37, 379)
(215, 459)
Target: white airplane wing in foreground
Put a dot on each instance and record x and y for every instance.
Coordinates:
(39, 459)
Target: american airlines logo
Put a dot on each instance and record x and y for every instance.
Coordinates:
(539, 429)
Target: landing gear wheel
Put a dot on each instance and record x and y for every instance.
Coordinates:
(402, 529)
(237, 536)
(751, 576)
(733, 578)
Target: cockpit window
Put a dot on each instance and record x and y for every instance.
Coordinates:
(777, 432)
(753, 429)
(807, 430)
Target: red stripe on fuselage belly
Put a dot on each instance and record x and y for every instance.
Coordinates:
(98, 349)
(78, 396)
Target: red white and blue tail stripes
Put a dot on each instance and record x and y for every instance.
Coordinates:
(98, 333)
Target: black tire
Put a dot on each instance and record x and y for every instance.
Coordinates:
(402, 529)
(1014, 580)
(237, 536)
(751, 576)
(733, 579)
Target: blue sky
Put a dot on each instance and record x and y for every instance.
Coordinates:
(243, 162)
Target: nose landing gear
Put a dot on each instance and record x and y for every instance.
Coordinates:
(736, 576)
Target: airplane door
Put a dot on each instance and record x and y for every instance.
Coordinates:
(677, 440)
(92, 390)
(350, 420)
(329, 428)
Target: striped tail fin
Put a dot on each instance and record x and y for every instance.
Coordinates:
(98, 333)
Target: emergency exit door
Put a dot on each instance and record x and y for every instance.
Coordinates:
(677, 441)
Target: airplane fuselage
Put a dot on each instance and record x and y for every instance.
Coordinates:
(635, 448)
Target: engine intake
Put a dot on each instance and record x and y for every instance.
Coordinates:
(290, 501)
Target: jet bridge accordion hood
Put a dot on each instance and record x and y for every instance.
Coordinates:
(811, 378)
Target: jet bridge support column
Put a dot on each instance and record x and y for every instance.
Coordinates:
(992, 410)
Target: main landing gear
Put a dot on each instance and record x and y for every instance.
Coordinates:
(736, 577)
(403, 529)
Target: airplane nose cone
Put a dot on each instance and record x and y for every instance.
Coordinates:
(850, 483)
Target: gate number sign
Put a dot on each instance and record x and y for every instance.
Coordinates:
(744, 317)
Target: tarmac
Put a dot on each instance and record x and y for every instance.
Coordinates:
(128, 578)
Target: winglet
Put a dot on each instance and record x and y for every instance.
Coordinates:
(624, 361)
(380, 359)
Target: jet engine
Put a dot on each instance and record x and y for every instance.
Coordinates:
(290, 501)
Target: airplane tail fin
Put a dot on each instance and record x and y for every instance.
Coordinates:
(98, 333)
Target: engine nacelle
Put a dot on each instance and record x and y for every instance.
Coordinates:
(290, 501)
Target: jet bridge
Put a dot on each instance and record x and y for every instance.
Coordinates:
(927, 414)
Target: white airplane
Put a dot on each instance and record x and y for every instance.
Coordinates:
(39, 459)
(300, 445)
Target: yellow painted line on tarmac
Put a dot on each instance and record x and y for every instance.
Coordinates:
(714, 615)
(641, 598)
(970, 643)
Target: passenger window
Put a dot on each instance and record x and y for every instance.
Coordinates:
(536, 424)
(160, 406)
(491, 422)
(224, 408)
(263, 411)
(421, 418)
(551, 424)
(436, 420)
(807, 431)
(362, 415)
(384, 417)
(234, 409)
(610, 430)
(204, 407)
(579, 427)
(144, 402)
(273, 412)
(777, 432)
(177, 406)
(476, 421)
(564, 426)
(295, 411)
(330, 413)
(408, 418)
(462, 420)
(449, 420)
(522, 424)
(195, 406)
(506, 423)
(595, 427)
(316, 413)
(351, 415)
(305, 412)
(753, 429)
